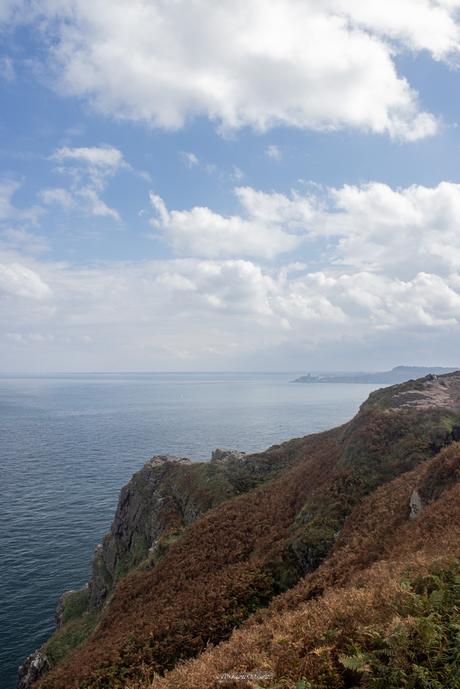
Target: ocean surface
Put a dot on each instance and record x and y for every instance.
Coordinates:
(68, 443)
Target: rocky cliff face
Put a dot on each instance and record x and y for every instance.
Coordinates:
(151, 504)
(34, 667)
(154, 508)
(164, 497)
(197, 548)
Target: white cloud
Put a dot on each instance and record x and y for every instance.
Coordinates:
(9, 211)
(364, 301)
(21, 239)
(20, 281)
(419, 24)
(90, 169)
(266, 228)
(8, 188)
(389, 268)
(189, 159)
(372, 227)
(96, 205)
(107, 158)
(273, 152)
(399, 232)
(207, 311)
(229, 287)
(7, 71)
(59, 196)
(237, 174)
(299, 63)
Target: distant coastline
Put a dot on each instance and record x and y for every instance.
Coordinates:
(399, 374)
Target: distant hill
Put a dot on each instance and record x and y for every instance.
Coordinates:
(399, 374)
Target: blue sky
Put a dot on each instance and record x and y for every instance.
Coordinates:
(189, 186)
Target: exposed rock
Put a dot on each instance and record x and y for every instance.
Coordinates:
(434, 392)
(34, 667)
(223, 455)
(99, 582)
(164, 496)
(415, 504)
(158, 460)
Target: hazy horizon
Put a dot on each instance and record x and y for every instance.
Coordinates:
(304, 370)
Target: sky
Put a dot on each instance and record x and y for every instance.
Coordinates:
(204, 185)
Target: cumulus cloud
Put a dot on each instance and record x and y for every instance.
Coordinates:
(389, 267)
(395, 231)
(419, 24)
(299, 63)
(199, 308)
(371, 227)
(366, 301)
(267, 226)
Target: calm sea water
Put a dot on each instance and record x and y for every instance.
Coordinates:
(69, 442)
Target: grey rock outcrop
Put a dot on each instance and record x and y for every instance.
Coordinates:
(150, 503)
(224, 455)
(34, 667)
(415, 504)
(159, 460)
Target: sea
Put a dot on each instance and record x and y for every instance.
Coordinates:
(69, 442)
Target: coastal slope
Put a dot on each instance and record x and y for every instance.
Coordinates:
(281, 537)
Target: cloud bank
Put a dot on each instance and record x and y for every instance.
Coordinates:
(301, 63)
(390, 266)
(372, 227)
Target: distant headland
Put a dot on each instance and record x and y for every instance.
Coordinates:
(399, 374)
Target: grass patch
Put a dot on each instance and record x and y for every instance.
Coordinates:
(75, 604)
(69, 636)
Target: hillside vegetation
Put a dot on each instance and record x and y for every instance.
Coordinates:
(329, 561)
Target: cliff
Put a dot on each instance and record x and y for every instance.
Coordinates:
(163, 498)
(154, 508)
(267, 543)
